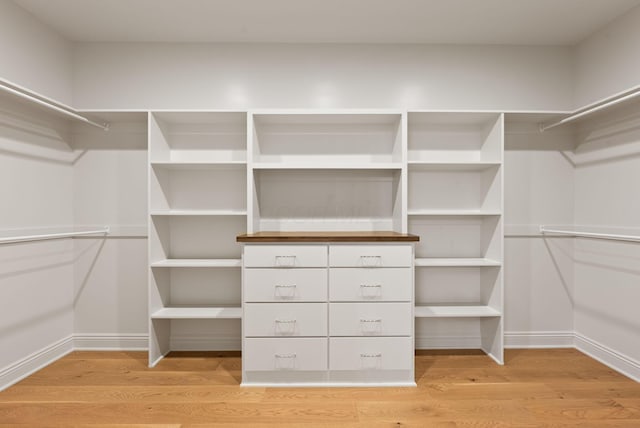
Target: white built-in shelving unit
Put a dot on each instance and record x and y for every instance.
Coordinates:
(455, 193)
(215, 175)
(197, 207)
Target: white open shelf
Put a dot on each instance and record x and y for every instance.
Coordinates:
(187, 165)
(456, 262)
(198, 263)
(455, 311)
(452, 166)
(198, 313)
(452, 212)
(328, 164)
(198, 212)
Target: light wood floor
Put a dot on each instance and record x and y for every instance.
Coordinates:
(536, 388)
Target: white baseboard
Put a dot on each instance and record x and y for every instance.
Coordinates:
(203, 342)
(539, 339)
(447, 342)
(110, 342)
(34, 362)
(607, 356)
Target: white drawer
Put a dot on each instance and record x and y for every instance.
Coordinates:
(370, 256)
(362, 284)
(370, 319)
(285, 256)
(285, 354)
(370, 353)
(285, 319)
(284, 285)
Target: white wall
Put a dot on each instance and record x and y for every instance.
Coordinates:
(192, 76)
(110, 188)
(539, 186)
(608, 62)
(607, 273)
(34, 56)
(36, 278)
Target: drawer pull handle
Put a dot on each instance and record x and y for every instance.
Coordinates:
(286, 356)
(371, 355)
(285, 291)
(370, 320)
(371, 291)
(286, 261)
(285, 327)
(371, 261)
(286, 321)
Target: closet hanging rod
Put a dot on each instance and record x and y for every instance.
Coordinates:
(631, 238)
(578, 114)
(33, 98)
(26, 238)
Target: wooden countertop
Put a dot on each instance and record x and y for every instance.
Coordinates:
(348, 236)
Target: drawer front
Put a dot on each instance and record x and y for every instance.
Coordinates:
(285, 319)
(370, 353)
(370, 319)
(285, 285)
(362, 284)
(285, 354)
(285, 256)
(370, 256)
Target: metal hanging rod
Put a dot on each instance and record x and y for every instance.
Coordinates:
(578, 114)
(631, 238)
(26, 238)
(34, 98)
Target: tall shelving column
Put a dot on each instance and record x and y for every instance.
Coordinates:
(197, 206)
(455, 205)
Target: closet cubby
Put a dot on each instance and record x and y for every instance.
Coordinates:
(197, 207)
(455, 137)
(321, 199)
(198, 137)
(295, 139)
(198, 189)
(437, 188)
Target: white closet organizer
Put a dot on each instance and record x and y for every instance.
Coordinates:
(438, 175)
(197, 206)
(455, 205)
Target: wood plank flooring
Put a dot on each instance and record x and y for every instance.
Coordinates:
(535, 388)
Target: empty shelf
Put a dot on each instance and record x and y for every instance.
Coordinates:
(199, 212)
(429, 212)
(452, 166)
(461, 311)
(197, 263)
(455, 262)
(198, 313)
(199, 165)
(326, 165)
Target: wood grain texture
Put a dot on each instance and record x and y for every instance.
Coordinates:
(535, 388)
(366, 236)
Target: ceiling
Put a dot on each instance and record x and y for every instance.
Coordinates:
(512, 22)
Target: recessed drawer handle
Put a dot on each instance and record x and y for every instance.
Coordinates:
(285, 261)
(285, 356)
(286, 321)
(370, 320)
(371, 290)
(371, 261)
(371, 355)
(285, 291)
